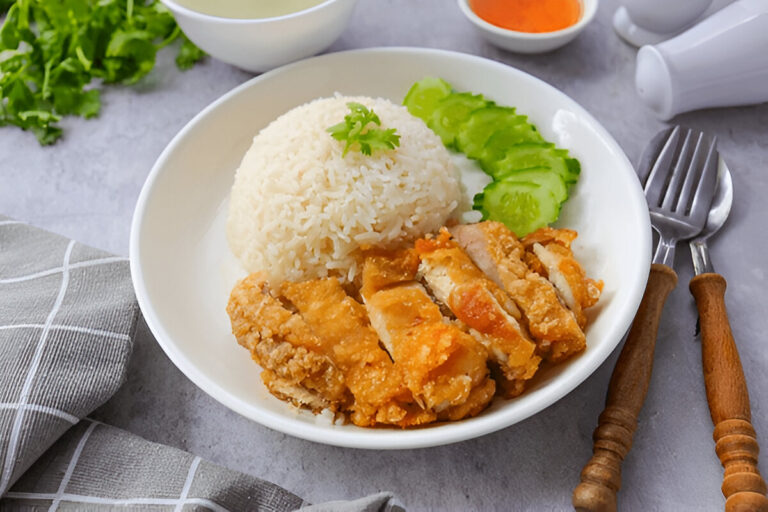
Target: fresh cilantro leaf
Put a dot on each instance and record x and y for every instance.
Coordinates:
(52, 50)
(355, 130)
(189, 54)
(130, 55)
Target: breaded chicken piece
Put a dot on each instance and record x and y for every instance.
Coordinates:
(443, 367)
(380, 394)
(295, 361)
(480, 304)
(498, 253)
(551, 250)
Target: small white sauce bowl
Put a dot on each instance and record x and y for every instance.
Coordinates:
(261, 44)
(530, 42)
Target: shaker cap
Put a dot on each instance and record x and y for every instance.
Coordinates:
(653, 82)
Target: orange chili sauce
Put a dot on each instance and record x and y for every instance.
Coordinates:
(528, 15)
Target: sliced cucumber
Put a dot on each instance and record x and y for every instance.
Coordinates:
(481, 125)
(501, 141)
(541, 176)
(424, 95)
(522, 206)
(530, 154)
(531, 176)
(451, 112)
(574, 169)
(519, 156)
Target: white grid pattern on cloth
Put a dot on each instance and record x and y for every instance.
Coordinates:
(52, 271)
(42, 345)
(96, 500)
(187, 483)
(71, 467)
(42, 408)
(13, 443)
(62, 496)
(86, 330)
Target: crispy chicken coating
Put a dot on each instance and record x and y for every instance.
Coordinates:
(295, 361)
(442, 326)
(498, 253)
(550, 250)
(379, 393)
(444, 367)
(479, 303)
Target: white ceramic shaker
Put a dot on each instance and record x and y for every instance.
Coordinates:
(722, 61)
(641, 22)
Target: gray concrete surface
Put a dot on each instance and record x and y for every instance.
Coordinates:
(85, 187)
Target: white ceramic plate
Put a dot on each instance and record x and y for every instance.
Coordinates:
(183, 270)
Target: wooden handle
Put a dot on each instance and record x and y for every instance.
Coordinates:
(735, 440)
(601, 477)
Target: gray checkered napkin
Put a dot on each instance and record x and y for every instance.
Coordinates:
(67, 319)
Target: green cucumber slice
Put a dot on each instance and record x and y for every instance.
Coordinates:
(500, 142)
(574, 169)
(529, 154)
(542, 176)
(423, 96)
(481, 125)
(522, 206)
(531, 176)
(451, 112)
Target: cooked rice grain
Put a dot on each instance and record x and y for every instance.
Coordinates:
(299, 210)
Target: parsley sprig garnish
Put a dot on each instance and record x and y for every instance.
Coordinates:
(355, 130)
(54, 54)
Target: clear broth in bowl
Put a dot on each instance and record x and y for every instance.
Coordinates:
(248, 9)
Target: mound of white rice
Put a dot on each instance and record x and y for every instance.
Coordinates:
(299, 210)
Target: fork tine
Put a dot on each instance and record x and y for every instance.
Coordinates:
(651, 153)
(682, 171)
(657, 179)
(693, 173)
(702, 199)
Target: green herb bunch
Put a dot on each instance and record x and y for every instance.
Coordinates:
(52, 50)
(354, 130)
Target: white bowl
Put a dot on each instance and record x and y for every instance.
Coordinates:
(258, 45)
(183, 270)
(528, 42)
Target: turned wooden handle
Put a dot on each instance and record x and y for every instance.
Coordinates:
(601, 477)
(735, 440)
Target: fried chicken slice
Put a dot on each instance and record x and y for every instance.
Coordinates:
(551, 250)
(498, 253)
(443, 367)
(295, 361)
(380, 394)
(480, 304)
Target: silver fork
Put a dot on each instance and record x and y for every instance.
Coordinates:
(675, 215)
(678, 172)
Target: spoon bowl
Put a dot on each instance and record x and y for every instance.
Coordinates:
(721, 203)
(718, 214)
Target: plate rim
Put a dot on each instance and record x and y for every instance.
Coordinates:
(381, 439)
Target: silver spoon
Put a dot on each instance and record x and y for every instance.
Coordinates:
(718, 213)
